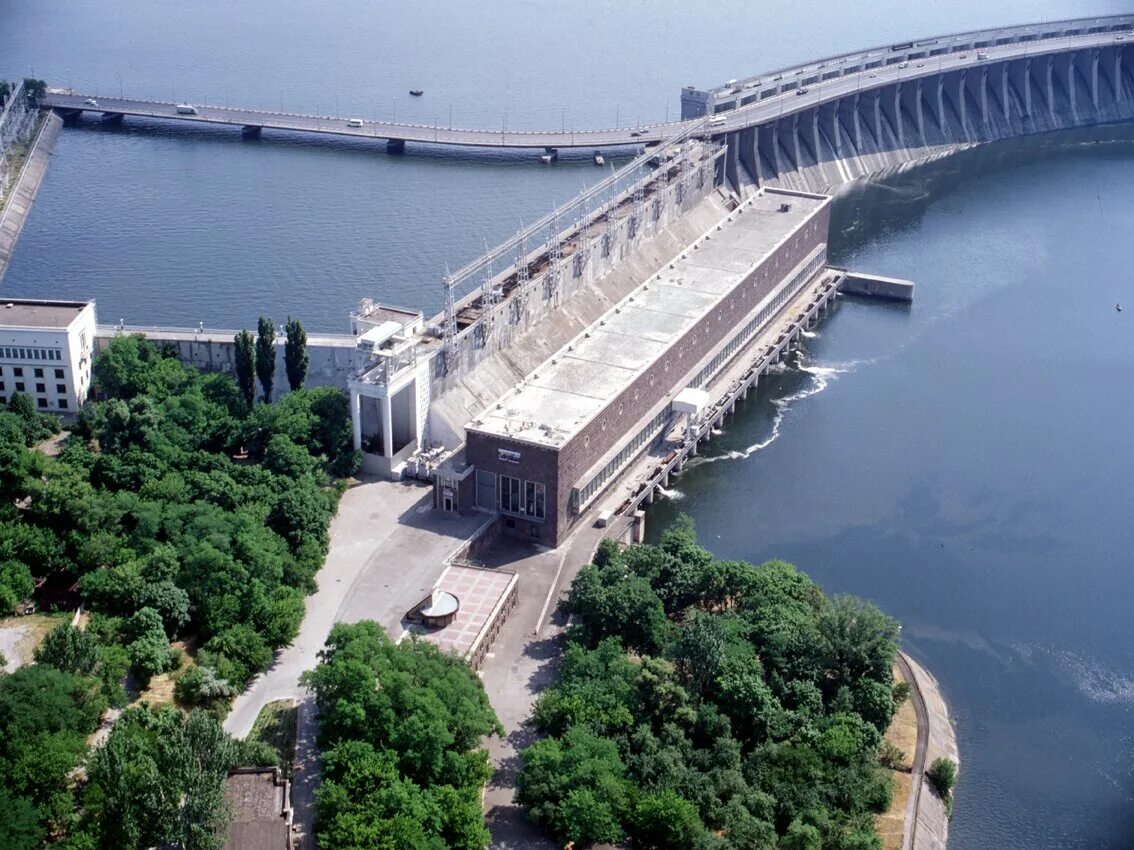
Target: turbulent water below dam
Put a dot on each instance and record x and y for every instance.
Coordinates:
(965, 461)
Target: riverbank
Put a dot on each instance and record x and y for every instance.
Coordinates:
(927, 815)
(19, 202)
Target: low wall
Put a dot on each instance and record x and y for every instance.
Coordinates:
(331, 357)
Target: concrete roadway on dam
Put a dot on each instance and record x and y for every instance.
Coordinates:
(847, 74)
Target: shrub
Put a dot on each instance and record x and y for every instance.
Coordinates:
(901, 694)
(942, 775)
(892, 757)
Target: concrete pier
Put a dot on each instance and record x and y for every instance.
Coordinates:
(876, 286)
(19, 202)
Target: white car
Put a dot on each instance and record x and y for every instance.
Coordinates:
(90, 101)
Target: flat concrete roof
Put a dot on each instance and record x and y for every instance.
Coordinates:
(556, 400)
(28, 313)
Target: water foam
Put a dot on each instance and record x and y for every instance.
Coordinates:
(821, 377)
(672, 493)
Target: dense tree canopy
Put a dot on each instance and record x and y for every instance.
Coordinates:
(712, 704)
(400, 728)
(179, 511)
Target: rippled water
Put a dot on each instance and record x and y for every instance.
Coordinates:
(965, 462)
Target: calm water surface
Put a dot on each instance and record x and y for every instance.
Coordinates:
(965, 462)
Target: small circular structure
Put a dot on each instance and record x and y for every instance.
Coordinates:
(439, 609)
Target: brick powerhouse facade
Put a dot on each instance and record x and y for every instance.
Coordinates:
(560, 470)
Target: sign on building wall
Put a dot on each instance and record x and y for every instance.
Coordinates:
(507, 456)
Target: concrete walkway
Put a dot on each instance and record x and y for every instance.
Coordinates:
(388, 547)
(927, 819)
(523, 661)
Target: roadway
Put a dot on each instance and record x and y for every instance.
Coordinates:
(430, 134)
(852, 77)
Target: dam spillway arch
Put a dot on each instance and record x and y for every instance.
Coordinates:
(822, 126)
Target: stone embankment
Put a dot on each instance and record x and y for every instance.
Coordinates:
(19, 202)
(927, 818)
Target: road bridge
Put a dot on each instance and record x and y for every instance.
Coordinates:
(813, 126)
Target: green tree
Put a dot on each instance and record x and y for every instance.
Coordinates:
(296, 358)
(245, 364)
(856, 641)
(69, 649)
(16, 585)
(266, 355)
(665, 819)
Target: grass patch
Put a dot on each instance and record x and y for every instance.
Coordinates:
(902, 733)
(160, 689)
(276, 726)
(19, 636)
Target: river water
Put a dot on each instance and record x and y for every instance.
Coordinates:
(965, 462)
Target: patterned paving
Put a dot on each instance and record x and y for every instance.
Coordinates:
(478, 591)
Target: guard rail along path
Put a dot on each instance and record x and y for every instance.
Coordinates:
(817, 126)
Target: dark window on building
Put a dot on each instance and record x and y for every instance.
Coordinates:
(41, 402)
(59, 374)
(62, 404)
(533, 499)
(1, 385)
(61, 388)
(19, 386)
(510, 494)
(18, 372)
(38, 373)
(41, 388)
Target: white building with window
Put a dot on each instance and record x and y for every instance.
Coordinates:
(46, 348)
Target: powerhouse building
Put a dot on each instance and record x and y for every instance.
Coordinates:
(551, 446)
(46, 349)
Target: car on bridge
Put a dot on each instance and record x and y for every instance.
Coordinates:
(90, 101)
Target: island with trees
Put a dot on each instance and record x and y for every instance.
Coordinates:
(712, 705)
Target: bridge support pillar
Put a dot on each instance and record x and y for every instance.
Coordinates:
(553, 153)
(70, 116)
(396, 146)
(251, 131)
(112, 117)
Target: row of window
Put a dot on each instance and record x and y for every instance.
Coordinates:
(60, 404)
(39, 388)
(10, 353)
(785, 294)
(18, 372)
(581, 495)
(522, 498)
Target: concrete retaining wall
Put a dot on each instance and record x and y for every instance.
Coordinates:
(929, 829)
(20, 200)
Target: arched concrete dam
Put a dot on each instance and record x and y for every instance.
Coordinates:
(820, 126)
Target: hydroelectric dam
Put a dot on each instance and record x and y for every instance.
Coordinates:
(577, 366)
